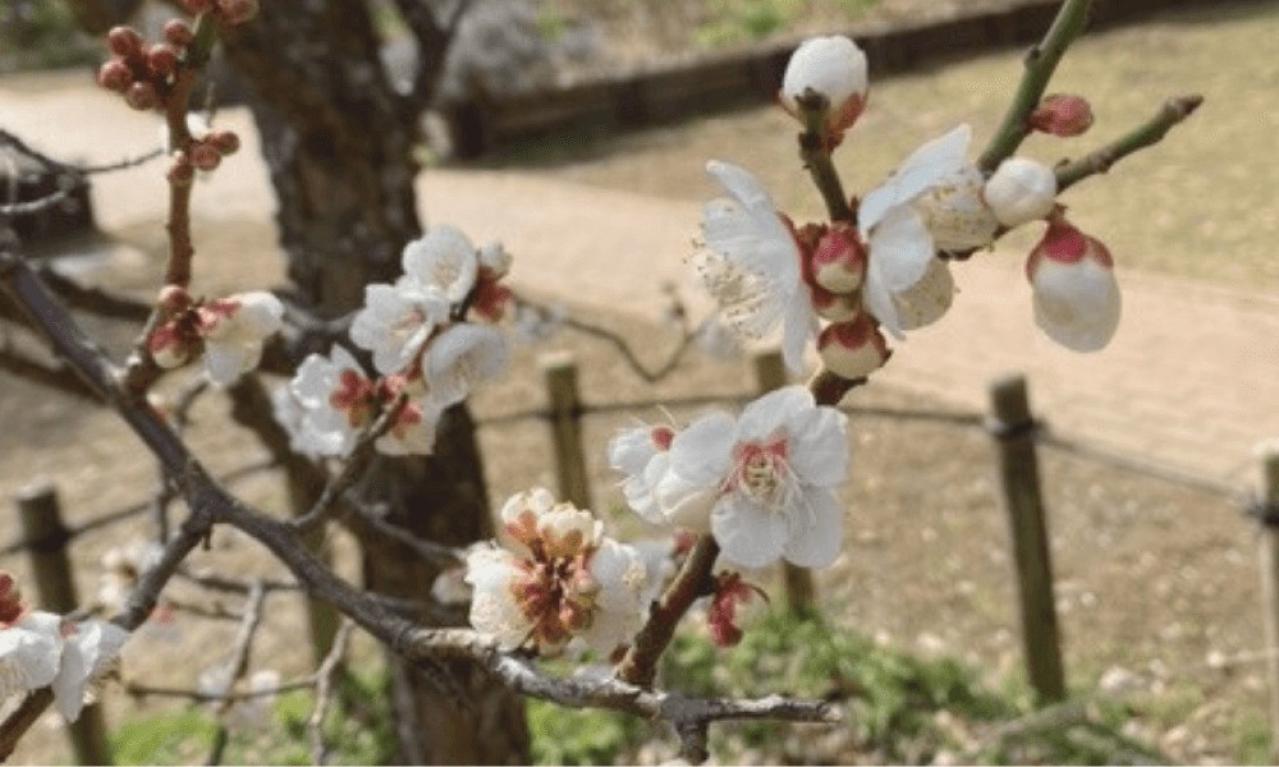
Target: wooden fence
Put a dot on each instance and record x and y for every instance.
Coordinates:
(1015, 435)
(667, 92)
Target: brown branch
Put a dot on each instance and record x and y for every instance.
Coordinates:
(1151, 132)
(239, 663)
(639, 666)
(61, 378)
(433, 41)
(138, 690)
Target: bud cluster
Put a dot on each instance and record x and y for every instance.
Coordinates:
(228, 332)
(143, 73)
(202, 153)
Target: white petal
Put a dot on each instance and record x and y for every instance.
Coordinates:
(630, 450)
(494, 611)
(702, 453)
(799, 327)
(86, 654)
(461, 358)
(927, 300)
(226, 362)
(748, 533)
(313, 382)
(766, 416)
(444, 260)
(819, 449)
(924, 168)
(1078, 305)
(816, 531)
(684, 502)
(260, 313)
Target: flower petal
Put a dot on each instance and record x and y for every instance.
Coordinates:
(925, 166)
(816, 531)
(748, 533)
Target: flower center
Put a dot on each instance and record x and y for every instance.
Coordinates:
(763, 471)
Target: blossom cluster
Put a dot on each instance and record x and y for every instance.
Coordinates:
(762, 483)
(556, 577)
(41, 649)
(423, 350)
(227, 333)
(887, 269)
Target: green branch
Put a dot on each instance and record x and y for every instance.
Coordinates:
(815, 151)
(1150, 132)
(1040, 64)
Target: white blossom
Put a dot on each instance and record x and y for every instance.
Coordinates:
(462, 357)
(1021, 190)
(443, 262)
(1076, 296)
(767, 479)
(753, 269)
(234, 329)
(640, 453)
(336, 395)
(396, 322)
(90, 649)
(122, 566)
(291, 415)
(494, 261)
(956, 213)
(30, 652)
(900, 246)
(833, 67)
(557, 577)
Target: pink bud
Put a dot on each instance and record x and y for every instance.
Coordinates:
(836, 307)
(1062, 115)
(205, 156)
(115, 75)
(142, 96)
(491, 299)
(178, 33)
(162, 59)
(238, 11)
(854, 349)
(225, 141)
(168, 346)
(839, 260)
(124, 41)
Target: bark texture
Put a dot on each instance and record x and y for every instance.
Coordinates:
(339, 142)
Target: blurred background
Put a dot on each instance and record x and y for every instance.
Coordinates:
(576, 132)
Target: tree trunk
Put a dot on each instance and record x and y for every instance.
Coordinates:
(339, 143)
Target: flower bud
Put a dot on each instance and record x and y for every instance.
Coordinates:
(1076, 297)
(225, 141)
(1062, 115)
(832, 67)
(1020, 191)
(495, 262)
(182, 172)
(491, 299)
(205, 156)
(956, 215)
(174, 299)
(238, 11)
(854, 349)
(839, 260)
(178, 33)
(115, 75)
(11, 605)
(142, 96)
(836, 307)
(162, 59)
(124, 41)
(168, 346)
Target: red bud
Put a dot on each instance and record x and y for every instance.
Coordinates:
(115, 75)
(205, 156)
(124, 41)
(162, 59)
(224, 141)
(182, 172)
(142, 96)
(1062, 115)
(178, 33)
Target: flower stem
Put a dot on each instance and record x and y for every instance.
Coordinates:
(815, 151)
(694, 580)
(1150, 132)
(1040, 64)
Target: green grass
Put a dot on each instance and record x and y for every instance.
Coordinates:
(40, 34)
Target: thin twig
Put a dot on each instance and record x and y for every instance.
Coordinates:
(138, 690)
(238, 665)
(324, 692)
(1040, 64)
(1151, 132)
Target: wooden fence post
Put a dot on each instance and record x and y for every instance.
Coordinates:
(770, 374)
(47, 539)
(1013, 429)
(1268, 514)
(559, 370)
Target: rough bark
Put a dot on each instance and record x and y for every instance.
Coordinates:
(339, 144)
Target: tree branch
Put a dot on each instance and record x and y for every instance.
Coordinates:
(1151, 132)
(1041, 62)
(324, 693)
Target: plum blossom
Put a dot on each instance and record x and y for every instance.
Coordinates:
(901, 248)
(1021, 190)
(754, 266)
(90, 650)
(557, 577)
(642, 454)
(396, 322)
(290, 414)
(462, 357)
(1076, 297)
(833, 67)
(764, 482)
(30, 652)
(443, 262)
(337, 398)
(413, 430)
(234, 329)
(955, 212)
